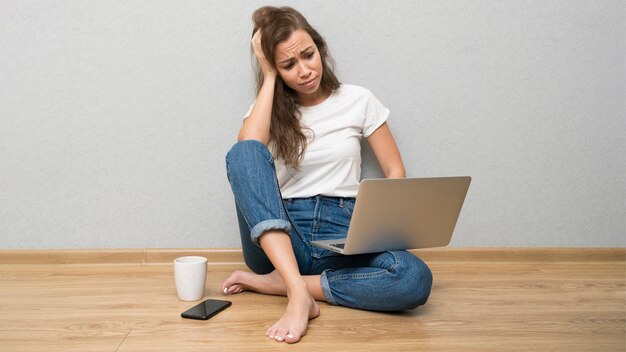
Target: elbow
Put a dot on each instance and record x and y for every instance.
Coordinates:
(395, 172)
(246, 135)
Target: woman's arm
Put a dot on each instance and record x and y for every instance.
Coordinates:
(257, 125)
(387, 153)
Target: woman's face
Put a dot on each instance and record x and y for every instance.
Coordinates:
(299, 64)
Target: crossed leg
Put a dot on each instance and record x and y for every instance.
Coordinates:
(269, 284)
(301, 306)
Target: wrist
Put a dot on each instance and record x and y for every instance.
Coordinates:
(269, 75)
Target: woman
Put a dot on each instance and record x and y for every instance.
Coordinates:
(304, 189)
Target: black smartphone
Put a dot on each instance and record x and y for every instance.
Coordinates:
(206, 309)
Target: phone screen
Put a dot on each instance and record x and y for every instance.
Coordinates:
(206, 309)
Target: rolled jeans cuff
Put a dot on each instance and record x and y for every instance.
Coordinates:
(263, 226)
(326, 289)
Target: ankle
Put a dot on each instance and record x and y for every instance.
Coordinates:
(297, 289)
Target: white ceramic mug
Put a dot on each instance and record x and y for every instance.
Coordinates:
(190, 276)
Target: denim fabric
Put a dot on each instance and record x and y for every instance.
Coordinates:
(252, 176)
(387, 281)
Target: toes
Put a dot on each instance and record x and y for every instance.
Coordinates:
(227, 284)
(292, 338)
(280, 335)
(271, 333)
(277, 333)
(232, 290)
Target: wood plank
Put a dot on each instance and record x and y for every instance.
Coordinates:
(474, 306)
(214, 256)
(525, 254)
(235, 256)
(71, 256)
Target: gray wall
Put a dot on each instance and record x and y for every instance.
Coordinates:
(115, 116)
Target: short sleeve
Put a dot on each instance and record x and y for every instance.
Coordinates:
(375, 114)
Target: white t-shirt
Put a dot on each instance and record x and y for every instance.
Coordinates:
(332, 159)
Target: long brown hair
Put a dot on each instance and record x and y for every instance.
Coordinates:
(276, 25)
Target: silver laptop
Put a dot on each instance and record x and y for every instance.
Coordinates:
(406, 213)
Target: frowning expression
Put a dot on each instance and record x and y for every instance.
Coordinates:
(299, 64)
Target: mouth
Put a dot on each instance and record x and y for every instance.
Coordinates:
(309, 82)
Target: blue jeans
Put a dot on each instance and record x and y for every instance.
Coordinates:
(387, 281)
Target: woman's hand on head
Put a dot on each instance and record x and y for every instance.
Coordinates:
(265, 65)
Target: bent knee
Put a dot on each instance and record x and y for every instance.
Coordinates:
(416, 282)
(246, 149)
(246, 155)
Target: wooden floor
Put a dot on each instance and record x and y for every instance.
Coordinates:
(492, 301)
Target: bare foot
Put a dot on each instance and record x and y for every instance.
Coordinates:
(300, 309)
(239, 281)
(293, 324)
